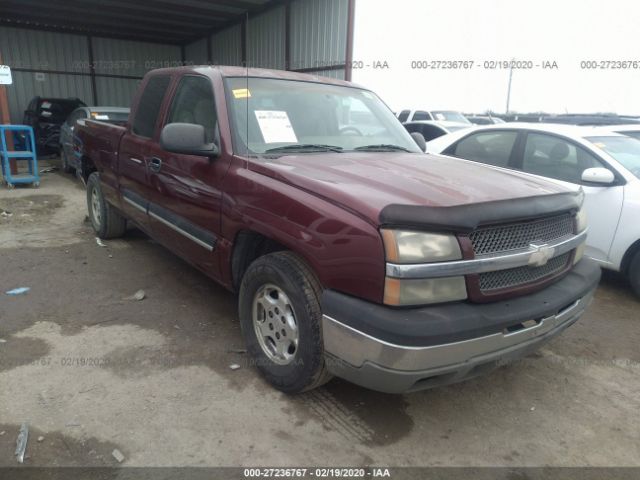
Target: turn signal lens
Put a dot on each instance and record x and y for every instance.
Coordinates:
(422, 291)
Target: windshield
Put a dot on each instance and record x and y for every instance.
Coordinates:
(625, 150)
(449, 116)
(286, 116)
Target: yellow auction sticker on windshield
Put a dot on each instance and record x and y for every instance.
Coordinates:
(241, 93)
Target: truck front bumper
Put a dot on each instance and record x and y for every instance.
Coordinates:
(402, 350)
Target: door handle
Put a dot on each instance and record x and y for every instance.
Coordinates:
(155, 164)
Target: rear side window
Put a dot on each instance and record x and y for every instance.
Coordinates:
(431, 132)
(149, 106)
(492, 148)
(404, 114)
(194, 103)
(420, 115)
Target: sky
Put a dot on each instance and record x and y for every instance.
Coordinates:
(533, 33)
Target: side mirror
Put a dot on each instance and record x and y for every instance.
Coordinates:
(420, 141)
(187, 138)
(598, 175)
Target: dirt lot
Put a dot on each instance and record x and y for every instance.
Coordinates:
(91, 370)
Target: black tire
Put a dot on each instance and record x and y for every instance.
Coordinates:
(287, 272)
(66, 168)
(106, 222)
(634, 273)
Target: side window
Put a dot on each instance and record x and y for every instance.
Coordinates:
(149, 107)
(404, 114)
(412, 127)
(431, 132)
(194, 103)
(554, 157)
(420, 115)
(492, 148)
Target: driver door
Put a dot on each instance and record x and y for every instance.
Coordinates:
(185, 207)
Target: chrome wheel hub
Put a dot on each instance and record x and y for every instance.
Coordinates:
(96, 214)
(275, 324)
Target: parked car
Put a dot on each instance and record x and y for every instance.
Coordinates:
(436, 115)
(630, 130)
(606, 164)
(484, 119)
(431, 130)
(353, 254)
(70, 144)
(45, 115)
(588, 119)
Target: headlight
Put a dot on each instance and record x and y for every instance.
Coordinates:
(581, 220)
(403, 246)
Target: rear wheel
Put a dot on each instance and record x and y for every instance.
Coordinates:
(106, 222)
(280, 316)
(634, 273)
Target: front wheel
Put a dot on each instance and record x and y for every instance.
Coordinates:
(634, 274)
(106, 222)
(280, 316)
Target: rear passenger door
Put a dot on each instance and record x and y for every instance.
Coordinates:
(187, 189)
(562, 159)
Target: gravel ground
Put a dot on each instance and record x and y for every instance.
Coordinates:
(93, 370)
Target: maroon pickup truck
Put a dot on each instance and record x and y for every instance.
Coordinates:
(353, 252)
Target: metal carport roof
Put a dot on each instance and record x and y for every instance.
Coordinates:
(164, 21)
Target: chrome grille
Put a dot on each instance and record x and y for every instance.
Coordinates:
(514, 277)
(516, 236)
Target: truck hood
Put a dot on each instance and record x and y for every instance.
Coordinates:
(371, 183)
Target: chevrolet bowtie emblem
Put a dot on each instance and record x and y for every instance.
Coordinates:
(540, 254)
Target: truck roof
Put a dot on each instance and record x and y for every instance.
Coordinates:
(234, 71)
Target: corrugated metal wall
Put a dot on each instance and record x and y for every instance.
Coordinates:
(40, 53)
(266, 40)
(43, 50)
(318, 33)
(116, 92)
(317, 39)
(226, 46)
(338, 74)
(196, 53)
(125, 57)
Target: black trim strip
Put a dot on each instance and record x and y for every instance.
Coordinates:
(177, 223)
(184, 227)
(465, 218)
(136, 200)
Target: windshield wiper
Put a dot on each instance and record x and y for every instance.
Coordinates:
(382, 147)
(305, 147)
